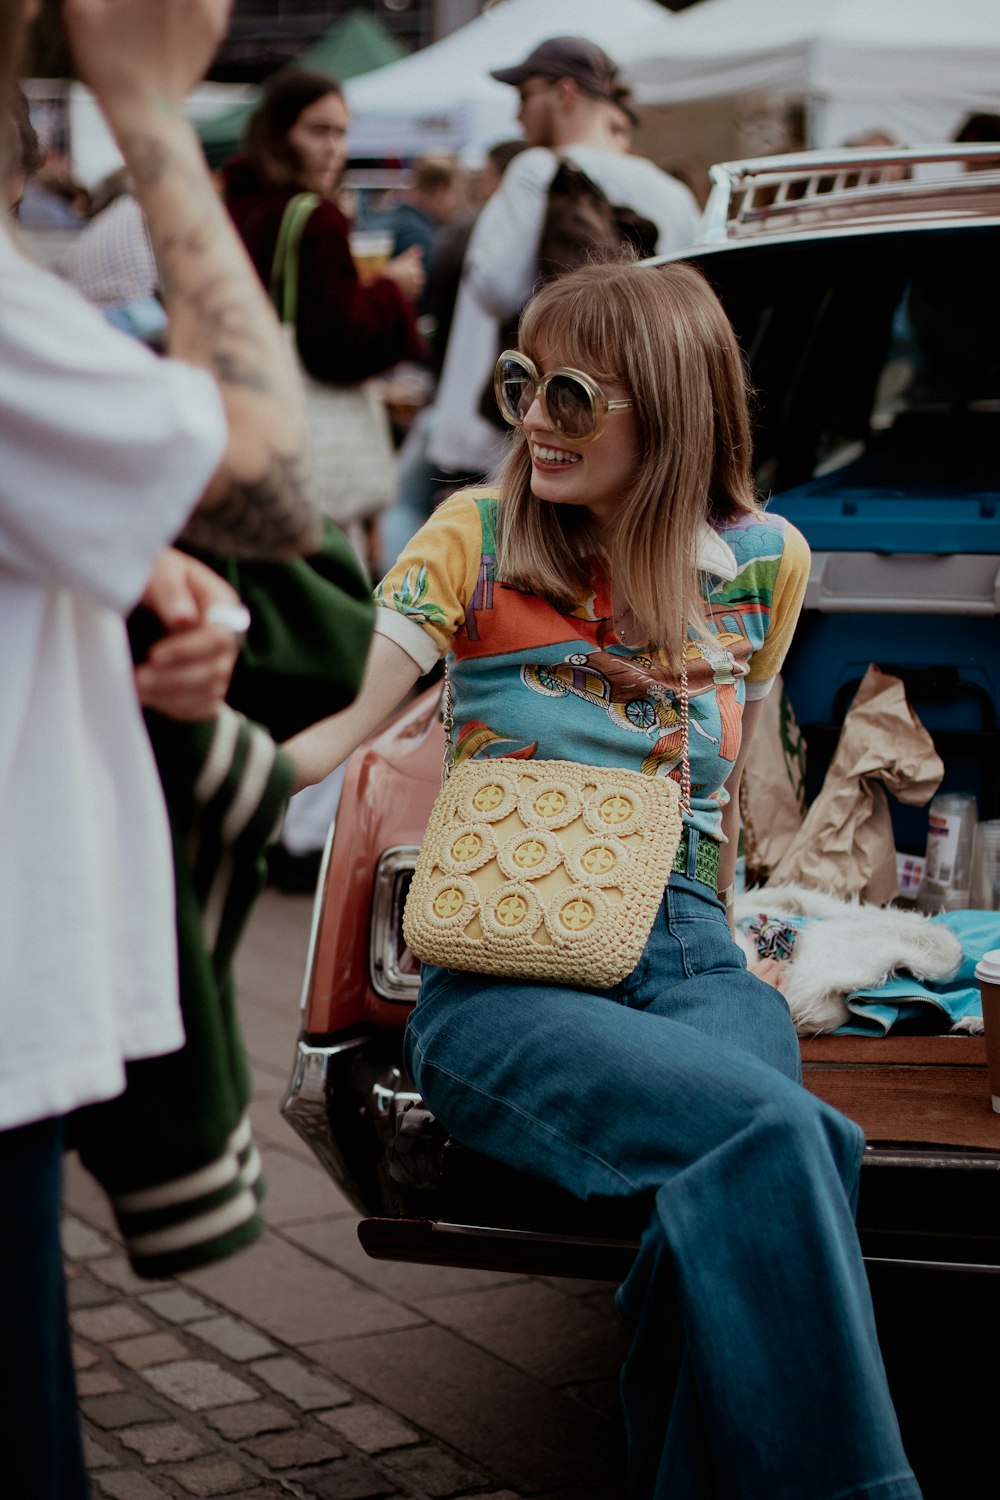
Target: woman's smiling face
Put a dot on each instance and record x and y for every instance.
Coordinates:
(594, 474)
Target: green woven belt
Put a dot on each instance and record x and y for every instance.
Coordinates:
(706, 860)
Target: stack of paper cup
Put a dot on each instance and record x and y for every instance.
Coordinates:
(988, 974)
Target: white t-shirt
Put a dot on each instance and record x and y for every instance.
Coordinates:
(499, 274)
(104, 451)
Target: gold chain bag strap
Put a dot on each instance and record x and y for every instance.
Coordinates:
(543, 869)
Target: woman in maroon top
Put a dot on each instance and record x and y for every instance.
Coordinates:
(295, 142)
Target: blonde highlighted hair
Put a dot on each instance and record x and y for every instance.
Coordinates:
(660, 332)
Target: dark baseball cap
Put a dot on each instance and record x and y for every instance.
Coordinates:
(568, 57)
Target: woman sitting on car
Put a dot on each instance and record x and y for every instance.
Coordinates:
(621, 598)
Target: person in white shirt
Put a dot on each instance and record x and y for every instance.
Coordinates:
(106, 454)
(571, 100)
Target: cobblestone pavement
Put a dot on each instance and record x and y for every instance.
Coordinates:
(300, 1367)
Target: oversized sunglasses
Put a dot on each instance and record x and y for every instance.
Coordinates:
(574, 403)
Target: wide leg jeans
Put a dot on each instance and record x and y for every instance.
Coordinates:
(755, 1369)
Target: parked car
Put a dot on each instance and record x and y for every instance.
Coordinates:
(863, 288)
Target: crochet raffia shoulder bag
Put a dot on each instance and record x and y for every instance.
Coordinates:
(544, 869)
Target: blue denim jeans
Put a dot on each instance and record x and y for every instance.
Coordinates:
(755, 1369)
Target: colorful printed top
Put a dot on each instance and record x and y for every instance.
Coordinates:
(530, 679)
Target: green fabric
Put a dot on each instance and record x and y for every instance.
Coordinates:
(310, 625)
(284, 282)
(183, 1115)
(357, 43)
(706, 860)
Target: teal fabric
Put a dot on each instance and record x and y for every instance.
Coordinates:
(903, 1003)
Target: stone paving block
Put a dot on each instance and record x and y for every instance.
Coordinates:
(523, 1434)
(291, 1450)
(149, 1349)
(369, 1427)
(121, 1485)
(197, 1384)
(211, 1476)
(239, 1422)
(84, 1291)
(493, 1495)
(231, 1337)
(265, 1494)
(85, 1199)
(95, 1455)
(336, 1241)
(115, 1271)
(102, 1325)
(177, 1306)
(162, 1442)
(297, 1191)
(352, 1479)
(431, 1471)
(97, 1383)
(111, 1412)
(539, 1330)
(272, 1129)
(309, 1390)
(81, 1242)
(83, 1358)
(290, 1295)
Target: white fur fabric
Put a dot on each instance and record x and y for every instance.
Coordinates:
(848, 945)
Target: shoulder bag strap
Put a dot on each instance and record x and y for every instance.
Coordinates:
(284, 282)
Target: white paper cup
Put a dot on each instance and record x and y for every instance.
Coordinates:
(988, 975)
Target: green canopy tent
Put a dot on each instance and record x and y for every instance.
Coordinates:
(357, 43)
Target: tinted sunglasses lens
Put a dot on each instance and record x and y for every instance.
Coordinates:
(571, 407)
(516, 390)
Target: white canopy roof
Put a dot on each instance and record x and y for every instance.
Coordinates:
(912, 67)
(442, 98)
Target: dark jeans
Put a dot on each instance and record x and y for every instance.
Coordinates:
(41, 1455)
(755, 1372)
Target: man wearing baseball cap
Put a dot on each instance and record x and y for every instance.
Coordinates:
(573, 103)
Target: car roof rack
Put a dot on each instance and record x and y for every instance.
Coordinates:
(810, 189)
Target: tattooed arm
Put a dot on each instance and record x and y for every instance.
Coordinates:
(142, 60)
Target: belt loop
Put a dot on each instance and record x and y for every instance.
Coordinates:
(691, 864)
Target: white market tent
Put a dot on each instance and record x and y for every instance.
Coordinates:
(915, 68)
(443, 99)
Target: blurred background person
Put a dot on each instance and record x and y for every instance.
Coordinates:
(421, 486)
(572, 98)
(433, 200)
(113, 264)
(350, 322)
(295, 142)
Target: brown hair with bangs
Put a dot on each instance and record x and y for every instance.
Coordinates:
(661, 332)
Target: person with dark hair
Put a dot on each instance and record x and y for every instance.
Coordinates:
(429, 204)
(296, 142)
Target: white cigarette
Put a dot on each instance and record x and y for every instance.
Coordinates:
(234, 617)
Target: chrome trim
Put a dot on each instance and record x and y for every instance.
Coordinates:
(966, 1161)
(304, 1104)
(974, 1267)
(317, 913)
(825, 180)
(387, 979)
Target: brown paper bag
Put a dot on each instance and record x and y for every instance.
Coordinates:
(845, 844)
(772, 791)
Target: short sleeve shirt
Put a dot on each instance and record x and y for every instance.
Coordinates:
(532, 680)
(104, 452)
